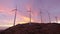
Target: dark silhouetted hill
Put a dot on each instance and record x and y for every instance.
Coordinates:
(34, 28)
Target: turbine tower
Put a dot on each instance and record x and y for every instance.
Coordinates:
(30, 14)
(15, 13)
(29, 10)
(41, 16)
(56, 19)
(49, 17)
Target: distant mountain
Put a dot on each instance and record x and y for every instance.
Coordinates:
(34, 28)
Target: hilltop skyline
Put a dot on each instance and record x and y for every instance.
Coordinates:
(7, 15)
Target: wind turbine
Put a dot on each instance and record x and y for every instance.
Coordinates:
(29, 10)
(56, 19)
(30, 14)
(15, 14)
(49, 17)
(41, 16)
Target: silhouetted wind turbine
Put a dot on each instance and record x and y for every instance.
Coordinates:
(29, 14)
(15, 14)
(41, 16)
(56, 19)
(49, 17)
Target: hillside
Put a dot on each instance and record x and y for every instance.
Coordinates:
(34, 28)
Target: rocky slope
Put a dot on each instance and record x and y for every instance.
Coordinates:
(34, 28)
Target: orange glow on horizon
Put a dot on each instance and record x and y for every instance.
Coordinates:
(25, 20)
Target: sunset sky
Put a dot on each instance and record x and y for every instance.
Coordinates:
(7, 15)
